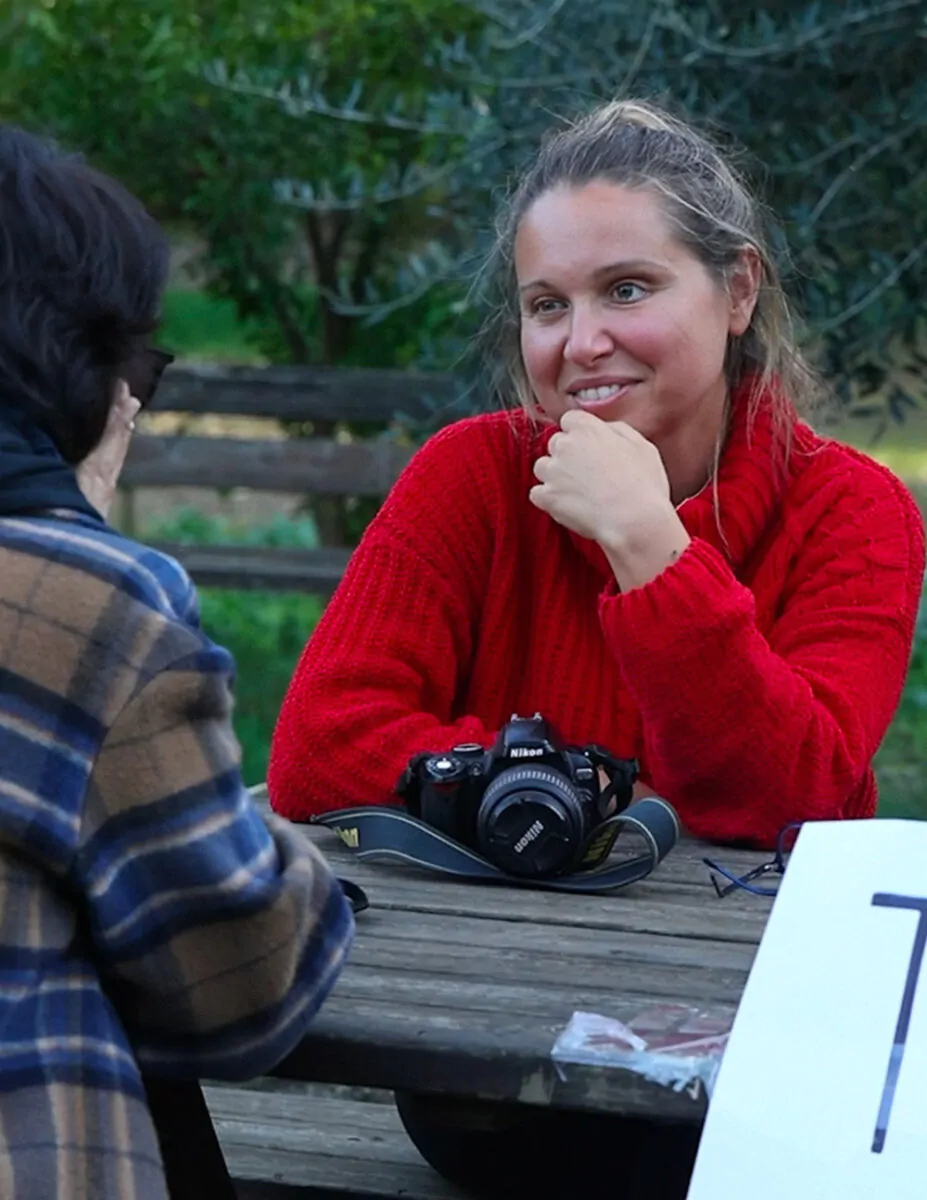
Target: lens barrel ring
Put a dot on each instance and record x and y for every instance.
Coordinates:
(554, 793)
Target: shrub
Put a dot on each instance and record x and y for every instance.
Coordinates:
(265, 631)
(901, 764)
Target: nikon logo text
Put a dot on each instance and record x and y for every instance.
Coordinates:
(528, 836)
(526, 752)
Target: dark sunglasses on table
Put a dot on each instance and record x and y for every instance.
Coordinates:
(143, 373)
(775, 867)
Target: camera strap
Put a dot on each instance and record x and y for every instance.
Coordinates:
(394, 835)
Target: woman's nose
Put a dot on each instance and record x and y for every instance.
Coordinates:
(589, 338)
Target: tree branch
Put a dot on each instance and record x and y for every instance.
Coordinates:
(301, 195)
(871, 296)
(407, 296)
(529, 34)
(641, 53)
(366, 259)
(886, 143)
(676, 23)
(308, 102)
(816, 160)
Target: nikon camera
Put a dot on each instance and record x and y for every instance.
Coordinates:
(530, 805)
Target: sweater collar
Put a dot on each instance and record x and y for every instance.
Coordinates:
(732, 515)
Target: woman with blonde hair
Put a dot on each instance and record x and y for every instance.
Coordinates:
(653, 550)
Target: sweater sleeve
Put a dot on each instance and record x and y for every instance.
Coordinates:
(750, 732)
(379, 677)
(217, 934)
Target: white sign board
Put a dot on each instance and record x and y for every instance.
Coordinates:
(822, 1094)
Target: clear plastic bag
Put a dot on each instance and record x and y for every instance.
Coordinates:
(671, 1044)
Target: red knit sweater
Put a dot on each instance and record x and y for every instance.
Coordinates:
(753, 679)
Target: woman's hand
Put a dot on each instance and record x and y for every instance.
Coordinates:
(606, 482)
(98, 474)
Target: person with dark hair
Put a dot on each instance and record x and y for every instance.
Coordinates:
(649, 548)
(153, 923)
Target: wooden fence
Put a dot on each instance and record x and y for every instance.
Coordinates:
(315, 466)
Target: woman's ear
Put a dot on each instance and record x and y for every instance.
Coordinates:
(743, 288)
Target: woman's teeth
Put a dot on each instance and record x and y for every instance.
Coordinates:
(599, 393)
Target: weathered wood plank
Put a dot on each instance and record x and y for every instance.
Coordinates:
(685, 858)
(254, 567)
(463, 988)
(494, 1055)
(309, 393)
(341, 1129)
(324, 1105)
(554, 982)
(542, 1000)
(312, 465)
(564, 958)
(667, 884)
(469, 935)
(328, 1176)
(655, 906)
(710, 969)
(321, 1142)
(678, 896)
(642, 913)
(677, 900)
(678, 877)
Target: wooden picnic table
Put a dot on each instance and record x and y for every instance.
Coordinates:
(462, 988)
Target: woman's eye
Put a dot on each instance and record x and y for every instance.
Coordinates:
(627, 293)
(545, 305)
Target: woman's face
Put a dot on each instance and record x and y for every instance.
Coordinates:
(618, 317)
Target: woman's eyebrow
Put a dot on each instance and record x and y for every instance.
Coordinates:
(628, 264)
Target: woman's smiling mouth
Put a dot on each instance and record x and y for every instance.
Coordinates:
(600, 395)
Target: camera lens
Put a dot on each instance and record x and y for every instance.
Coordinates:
(530, 822)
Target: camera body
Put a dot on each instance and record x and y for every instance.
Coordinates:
(530, 805)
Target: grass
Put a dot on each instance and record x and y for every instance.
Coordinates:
(203, 328)
(265, 631)
(901, 763)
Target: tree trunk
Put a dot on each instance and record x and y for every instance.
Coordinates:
(327, 234)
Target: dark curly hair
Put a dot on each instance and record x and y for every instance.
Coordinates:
(83, 268)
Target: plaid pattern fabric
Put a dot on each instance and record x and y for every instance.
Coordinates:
(148, 914)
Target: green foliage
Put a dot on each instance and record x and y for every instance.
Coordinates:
(265, 631)
(135, 86)
(341, 159)
(829, 100)
(199, 326)
(192, 527)
(900, 765)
